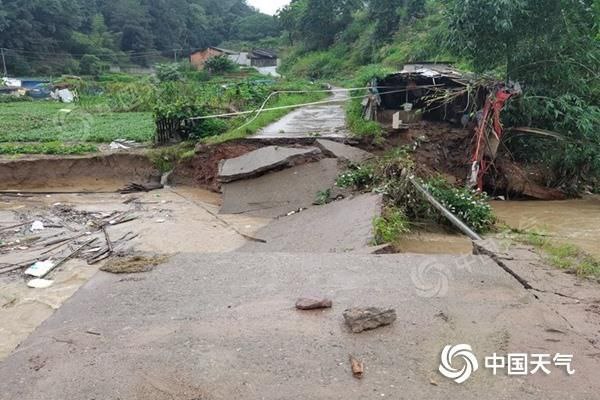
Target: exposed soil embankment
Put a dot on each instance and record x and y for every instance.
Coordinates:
(443, 148)
(75, 171)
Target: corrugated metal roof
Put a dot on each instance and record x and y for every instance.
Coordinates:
(263, 53)
(431, 70)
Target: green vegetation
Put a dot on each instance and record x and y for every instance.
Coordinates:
(358, 177)
(359, 126)
(323, 197)
(120, 106)
(220, 65)
(389, 175)
(87, 37)
(470, 206)
(47, 148)
(43, 121)
(564, 256)
(390, 226)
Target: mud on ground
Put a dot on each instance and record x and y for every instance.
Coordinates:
(167, 222)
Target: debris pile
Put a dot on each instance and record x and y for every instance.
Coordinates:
(123, 264)
(46, 240)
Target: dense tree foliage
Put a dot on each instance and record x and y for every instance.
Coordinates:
(54, 35)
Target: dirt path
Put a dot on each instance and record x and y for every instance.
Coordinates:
(327, 120)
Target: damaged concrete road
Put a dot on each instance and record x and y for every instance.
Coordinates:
(190, 224)
(221, 327)
(339, 227)
(263, 160)
(343, 151)
(325, 120)
(297, 187)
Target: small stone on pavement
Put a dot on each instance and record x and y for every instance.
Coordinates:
(313, 303)
(362, 319)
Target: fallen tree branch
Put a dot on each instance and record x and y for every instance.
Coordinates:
(15, 226)
(67, 258)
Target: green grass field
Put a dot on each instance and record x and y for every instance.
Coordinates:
(45, 121)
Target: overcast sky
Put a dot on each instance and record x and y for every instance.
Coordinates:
(268, 6)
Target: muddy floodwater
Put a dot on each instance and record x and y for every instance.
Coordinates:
(574, 221)
(571, 221)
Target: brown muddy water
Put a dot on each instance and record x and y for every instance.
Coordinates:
(575, 221)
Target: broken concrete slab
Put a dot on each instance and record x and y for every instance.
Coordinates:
(219, 326)
(529, 268)
(259, 161)
(365, 319)
(297, 188)
(343, 151)
(339, 227)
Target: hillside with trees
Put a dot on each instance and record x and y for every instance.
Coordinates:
(79, 36)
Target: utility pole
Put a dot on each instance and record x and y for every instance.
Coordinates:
(3, 61)
(175, 56)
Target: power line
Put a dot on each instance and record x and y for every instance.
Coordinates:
(314, 103)
(118, 52)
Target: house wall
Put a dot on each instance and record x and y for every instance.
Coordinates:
(264, 62)
(240, 59)
(200, 57)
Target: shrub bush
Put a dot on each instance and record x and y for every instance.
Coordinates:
(359, 177)
(91, 65)
(471, 206)
(390, 226)
(168, 72)
(219, 65)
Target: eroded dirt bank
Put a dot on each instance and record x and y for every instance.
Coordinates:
(83, 172)
(442, 148)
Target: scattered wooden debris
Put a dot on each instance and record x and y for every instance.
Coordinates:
(107, 238)
(16, 226)
(139, 187)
